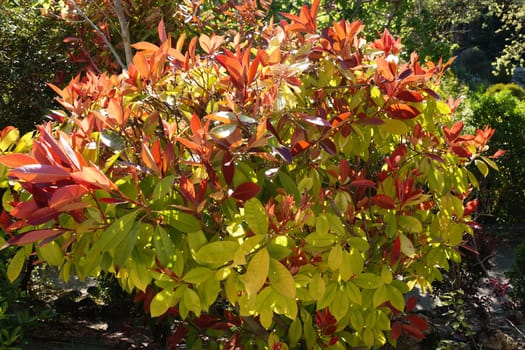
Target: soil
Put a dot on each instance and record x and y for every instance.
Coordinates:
(84, 322)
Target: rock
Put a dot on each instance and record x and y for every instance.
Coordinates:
(499, 341)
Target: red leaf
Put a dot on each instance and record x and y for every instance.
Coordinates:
(383, 201)
(396, 251)
(36, 235)
(64, 196)
(39, 173)
(344, 170)
(454, 131)
(409, 96)
(402, 111)
(413, 331)
(245, 191)
(329, 146)
(411, 303)
(363, 183)
(396, 331)
(16, 160)
(499, 153)
(228, 168)
(418, 322)
(461, 151)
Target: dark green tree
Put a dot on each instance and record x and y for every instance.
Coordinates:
(32, 53)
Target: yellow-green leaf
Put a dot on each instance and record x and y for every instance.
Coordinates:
(161, 302)
(317, 287)
(295, 331)
(380, 296)
(198, 275)
(255, 216)
(395, 297)
(51, 253)
(216, 254)
(282, 279)
(335, 257)
(256, 272)
(192, 301)
(15, 265)
(407, 247)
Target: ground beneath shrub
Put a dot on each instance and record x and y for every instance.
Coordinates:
(81, 323)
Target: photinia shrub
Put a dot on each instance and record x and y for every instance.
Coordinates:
(281, 195)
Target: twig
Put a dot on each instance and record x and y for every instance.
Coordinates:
(515, 328)
(101, 34)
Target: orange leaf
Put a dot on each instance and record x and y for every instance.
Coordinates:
(233, 67)
(141, 63)
(145, 46)
(16, 160)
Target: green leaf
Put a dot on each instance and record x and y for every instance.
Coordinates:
(216, 254)
(256, 217)
(196, 240)
(256, 272)
(161, 302)
(368, 280)
(410, 224)
(482, 167)
(352, 264)
(281, 279)
(192, 301)
(317, 287)
(295, 331)
(395, 297)
(335, 257)
(15, 265)
(125, 249)
(198, 275)
(354, 293)
(340, 305)
(358, 243)
(356, 319)
(51, 253)
(490, 162)
(183, 222)
(329, 296)
(394, 126)
(115, 233)
(320, 240)
(163, 187)
(164, 247)
(380, 296)
(283, 305)
(289, 185)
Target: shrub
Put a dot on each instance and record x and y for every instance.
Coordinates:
(286, 193)
(506, 113)
(515, 90)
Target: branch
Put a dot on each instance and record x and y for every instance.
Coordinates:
(101, 34)
(124, 30)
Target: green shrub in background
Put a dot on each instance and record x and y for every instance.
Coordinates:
(502, 194)
(516, 90)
